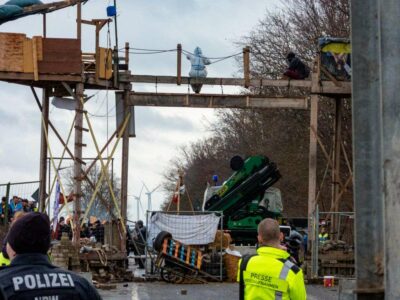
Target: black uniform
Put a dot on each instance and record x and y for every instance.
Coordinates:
(33, 277)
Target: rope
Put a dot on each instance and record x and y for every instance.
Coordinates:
(102, 256)
(139, 51)
(53, 163)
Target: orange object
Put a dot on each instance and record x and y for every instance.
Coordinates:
(188, 255)
(165, 245)
(176, 249)
(199, 259)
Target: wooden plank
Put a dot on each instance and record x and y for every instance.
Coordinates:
(325, 88)
(214, 101)
(28, 56)
(39, 47)
(60, 45)
(246, 66)
(28, 53)
(61, 56)
(35, 61)
(214, 81)
(57, 68)
(12, 52)
(15, 76)
(105, 63)
(312, 166)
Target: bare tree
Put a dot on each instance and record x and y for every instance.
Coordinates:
(280, 134)
(103, 207)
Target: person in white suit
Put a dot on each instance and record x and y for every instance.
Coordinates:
(198, 69)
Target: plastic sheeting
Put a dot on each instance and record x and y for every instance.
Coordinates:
(188, 229)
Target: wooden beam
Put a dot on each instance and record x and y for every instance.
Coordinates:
(179, 64)
(323, 87)
(43, 150)
(125, 161)
(312, 167)
(214, 101)
(336, 173)
(246, 66)
(35, 60)
(10, 76)
(214, 81)
(77, 156)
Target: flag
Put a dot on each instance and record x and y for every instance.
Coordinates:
(56, 206)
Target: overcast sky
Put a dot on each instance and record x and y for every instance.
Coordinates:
(213, 25)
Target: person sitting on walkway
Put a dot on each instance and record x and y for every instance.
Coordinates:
(296, 68)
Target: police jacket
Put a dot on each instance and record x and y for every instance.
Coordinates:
(270, 275)
(33, 277)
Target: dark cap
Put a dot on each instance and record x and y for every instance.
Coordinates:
(30, 234)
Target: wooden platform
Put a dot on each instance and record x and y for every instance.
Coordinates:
(323, 88)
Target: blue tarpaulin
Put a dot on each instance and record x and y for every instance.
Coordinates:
(23, 3)
(7, 11)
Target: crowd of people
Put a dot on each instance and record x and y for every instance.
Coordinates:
(14, 205)
(93, 231)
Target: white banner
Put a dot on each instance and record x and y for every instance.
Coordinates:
(189, 230)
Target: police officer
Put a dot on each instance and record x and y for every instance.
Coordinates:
(30, 274)
(270, 274)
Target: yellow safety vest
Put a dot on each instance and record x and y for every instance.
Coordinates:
(270, 275)
(3, 261)
(323, 237)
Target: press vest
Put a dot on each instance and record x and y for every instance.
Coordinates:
(271, 275)
(32, 276)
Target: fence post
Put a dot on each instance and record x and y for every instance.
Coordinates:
(6, 205)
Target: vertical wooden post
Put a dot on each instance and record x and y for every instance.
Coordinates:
(79, 21)
(115, 66)
(312, 163)
(77, 163)
(97, 46)
(179, 64)
(127, 54)
(125, 167)
(35, 60)
(6, 204)
(179, 191)
(43, 150)
(336, 165)
(246, 66)
(44, 25)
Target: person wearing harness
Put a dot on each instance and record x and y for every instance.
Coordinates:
(270, 274)
(30, 274)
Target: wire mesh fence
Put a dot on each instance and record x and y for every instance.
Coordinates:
(333, 247)
(182, 246)
(24, 190)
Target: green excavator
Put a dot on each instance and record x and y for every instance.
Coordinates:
(246, 197)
